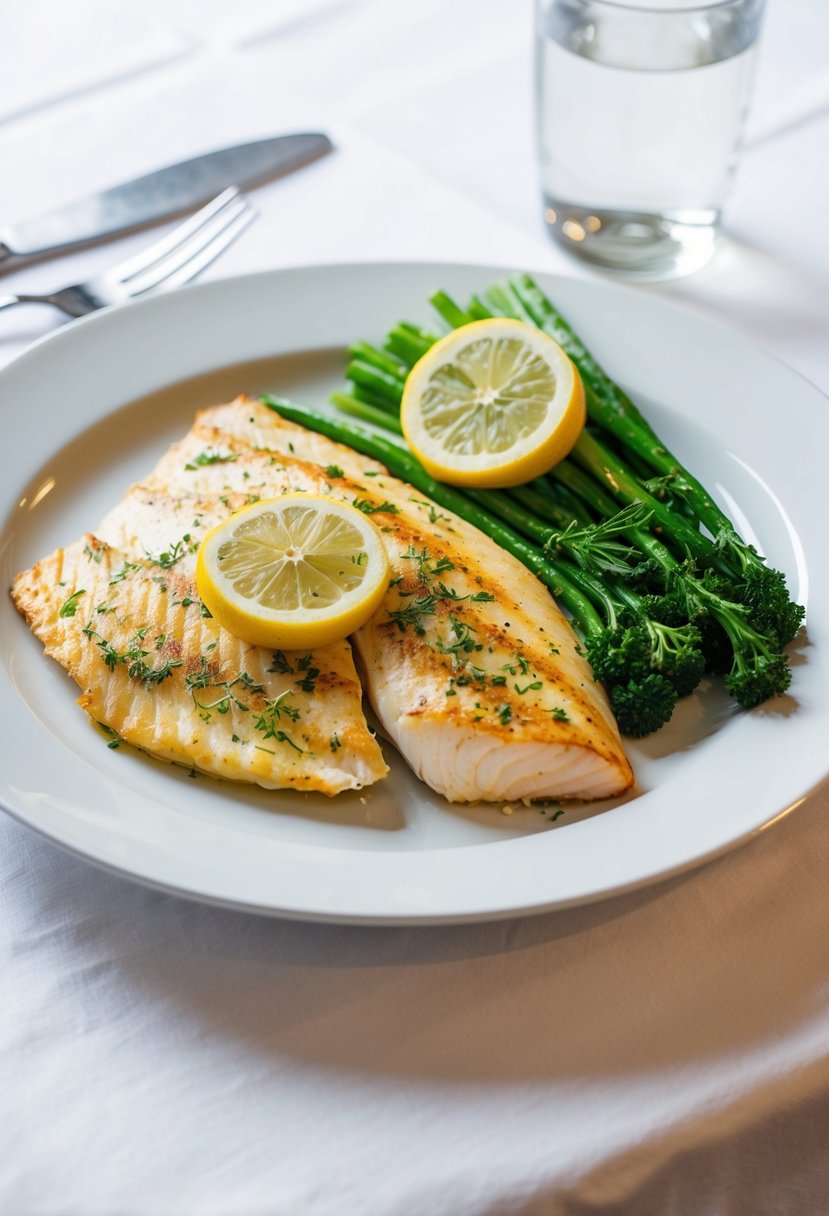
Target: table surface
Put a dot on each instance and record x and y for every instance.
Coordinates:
(664, 1052)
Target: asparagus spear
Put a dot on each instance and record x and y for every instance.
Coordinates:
(755, 615)
(762, 588)
(592, 454)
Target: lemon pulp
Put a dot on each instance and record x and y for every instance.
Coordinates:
(300, 558)
(492, 404)
(303, 570)
(496, 391)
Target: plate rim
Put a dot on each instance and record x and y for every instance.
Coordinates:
(67, 334)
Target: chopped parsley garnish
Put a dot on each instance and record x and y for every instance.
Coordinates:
(559, 714)
(202, 678)
(463, 639)
(188, 600)
(370, 508)
(267, 720)
(413, 613)
(127, 568)
(209, 457)
(275, 708)
(133, 658)
(109, 654)
(518, 666)
(334, 743)
(505, 714)
(280, 664)
(142, 672)
(114, 738)
(94, 555)
(434, 514)
(308, 682)
(448, 593)
(427, 600)
(70, 606)
(427, 572)
(206, 677)
(334, 470)
(443, 563)
(174, 553)
(152, 675)
(422, 556)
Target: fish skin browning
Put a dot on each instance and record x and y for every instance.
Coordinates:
(470, 666)
(169, 680)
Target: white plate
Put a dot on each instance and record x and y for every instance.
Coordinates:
(755, 431)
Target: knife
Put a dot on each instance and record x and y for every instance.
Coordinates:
(166, 192)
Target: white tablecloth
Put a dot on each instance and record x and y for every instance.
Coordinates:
(660, 1053)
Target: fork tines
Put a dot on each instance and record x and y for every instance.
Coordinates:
(188, 249)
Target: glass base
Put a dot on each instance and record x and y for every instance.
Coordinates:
(639, 245)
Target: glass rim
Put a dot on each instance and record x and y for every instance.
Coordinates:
(701, 6)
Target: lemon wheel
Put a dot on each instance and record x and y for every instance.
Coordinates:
(494, 403)
(293, 572)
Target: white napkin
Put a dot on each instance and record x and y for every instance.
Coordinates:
(664, 1052)
(221, 23)
(792, 82)
(73, 48)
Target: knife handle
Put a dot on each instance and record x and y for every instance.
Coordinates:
(5, 253)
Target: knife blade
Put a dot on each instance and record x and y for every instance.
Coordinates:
(155, 196)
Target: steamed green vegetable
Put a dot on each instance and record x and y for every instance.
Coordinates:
(652, 571)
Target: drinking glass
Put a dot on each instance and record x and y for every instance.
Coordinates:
(640, 111)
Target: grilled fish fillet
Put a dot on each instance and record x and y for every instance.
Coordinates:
(472, 670)
(164, 677)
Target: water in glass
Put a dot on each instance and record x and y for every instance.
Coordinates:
(640, 112)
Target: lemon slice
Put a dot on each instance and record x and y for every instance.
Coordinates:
(494, 403)
(293, 572)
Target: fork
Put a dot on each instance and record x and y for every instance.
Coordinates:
(177, 258)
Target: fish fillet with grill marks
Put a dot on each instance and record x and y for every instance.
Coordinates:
(168, 679)
(472, 670)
